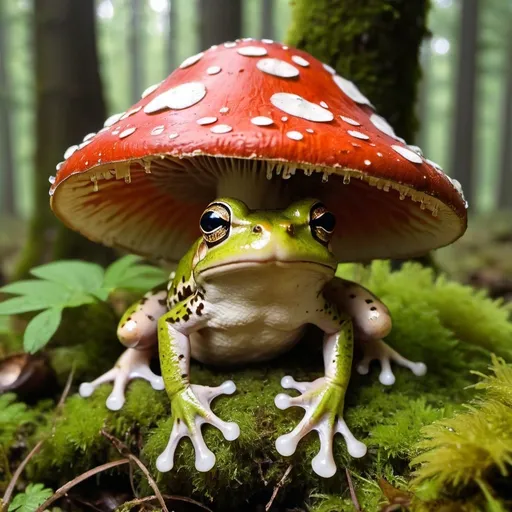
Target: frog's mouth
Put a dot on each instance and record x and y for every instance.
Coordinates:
(264, 264)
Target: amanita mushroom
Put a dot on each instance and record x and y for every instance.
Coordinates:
(265, 123)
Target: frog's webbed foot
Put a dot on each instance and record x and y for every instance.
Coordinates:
(190, 410)
(133, 364)
(376, 349)
(322, 400)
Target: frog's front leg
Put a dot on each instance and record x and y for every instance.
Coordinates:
(372, 322)
(137, 330)
(323, 399)
(190, 403)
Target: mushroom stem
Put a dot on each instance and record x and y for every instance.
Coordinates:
(248, 182)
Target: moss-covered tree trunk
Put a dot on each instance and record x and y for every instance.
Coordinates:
(375, 43)
(69, 104)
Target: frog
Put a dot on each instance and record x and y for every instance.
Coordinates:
(244, 293)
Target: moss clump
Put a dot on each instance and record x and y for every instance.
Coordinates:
(430, 318)
(375, 43)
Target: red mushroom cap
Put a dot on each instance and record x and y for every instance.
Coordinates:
(228, 119)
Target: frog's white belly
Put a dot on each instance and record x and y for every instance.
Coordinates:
(258, 319)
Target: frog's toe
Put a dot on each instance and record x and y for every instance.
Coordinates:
(378, 350)
(133, 364)
(321, 400)
(191, 410)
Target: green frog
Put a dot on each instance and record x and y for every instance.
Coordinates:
(244, 292)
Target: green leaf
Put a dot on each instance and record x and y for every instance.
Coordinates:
(38, 288)
(142, 277)
(26, 303)
(28, 501)
(77, 275)
(79, 299)
(115, 273)
(40, 329)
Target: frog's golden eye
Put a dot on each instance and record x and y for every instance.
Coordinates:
(215, 223)
(322, 223)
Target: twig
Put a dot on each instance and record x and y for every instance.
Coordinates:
(123, 450)
(277, 487)
(353, 495)
(10, 488)
(15, 477)
(139, 501)
(84, 476)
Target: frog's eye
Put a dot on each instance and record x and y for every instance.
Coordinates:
(215, 223)
(322, 223)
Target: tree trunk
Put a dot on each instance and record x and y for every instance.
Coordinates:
(172, 39)
(505, 187)
(69, 104)
(464, 129)
(221, 20)
(6, 149)
(267, 19)
(375, 43)
(135, 46)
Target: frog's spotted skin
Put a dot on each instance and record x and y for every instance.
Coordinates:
(245, 292)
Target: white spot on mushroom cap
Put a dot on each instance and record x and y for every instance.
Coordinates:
(70, 151)
(262, 121)
(213, 70)
(157, 130)
(323, 104)
(191, 60)
(299, 107)
(252, 51)
(416, 149)
(310, 130)
(351, 121)
(329, 69)
(51, 179)
(58, 166)
(351, 90)
(284, 119)
(127, 132)
(221, 128)
(294, 135)
(435, 165)
(367, 162)
(112, 119)
(224, 110)
(277, 67)
(150, 89)
(177, 98)
(407, 154)
(358, 135)
(89, 136)
(300, 61)
(268, 41)
(173, 135)
(229, 44)
(206, 120)
(130, 112)
(380, 123)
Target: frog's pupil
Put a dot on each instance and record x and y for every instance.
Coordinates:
(327, 221)
(211, 221)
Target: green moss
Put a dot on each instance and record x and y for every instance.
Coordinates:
(375, 43)
(428, 316)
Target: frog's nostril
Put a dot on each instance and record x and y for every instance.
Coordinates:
(290, 229)
(257, 229)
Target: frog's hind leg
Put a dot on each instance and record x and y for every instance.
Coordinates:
(372, 323)
(137, 328)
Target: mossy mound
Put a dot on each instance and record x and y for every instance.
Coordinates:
(448, 326)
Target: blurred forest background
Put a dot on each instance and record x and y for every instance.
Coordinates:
(464, 106)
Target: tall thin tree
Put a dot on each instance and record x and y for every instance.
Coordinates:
(267, 19)
(463, 152)
(6, 148)
(221, 20)
(135, 42)
(505, 189)
(69, 104)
